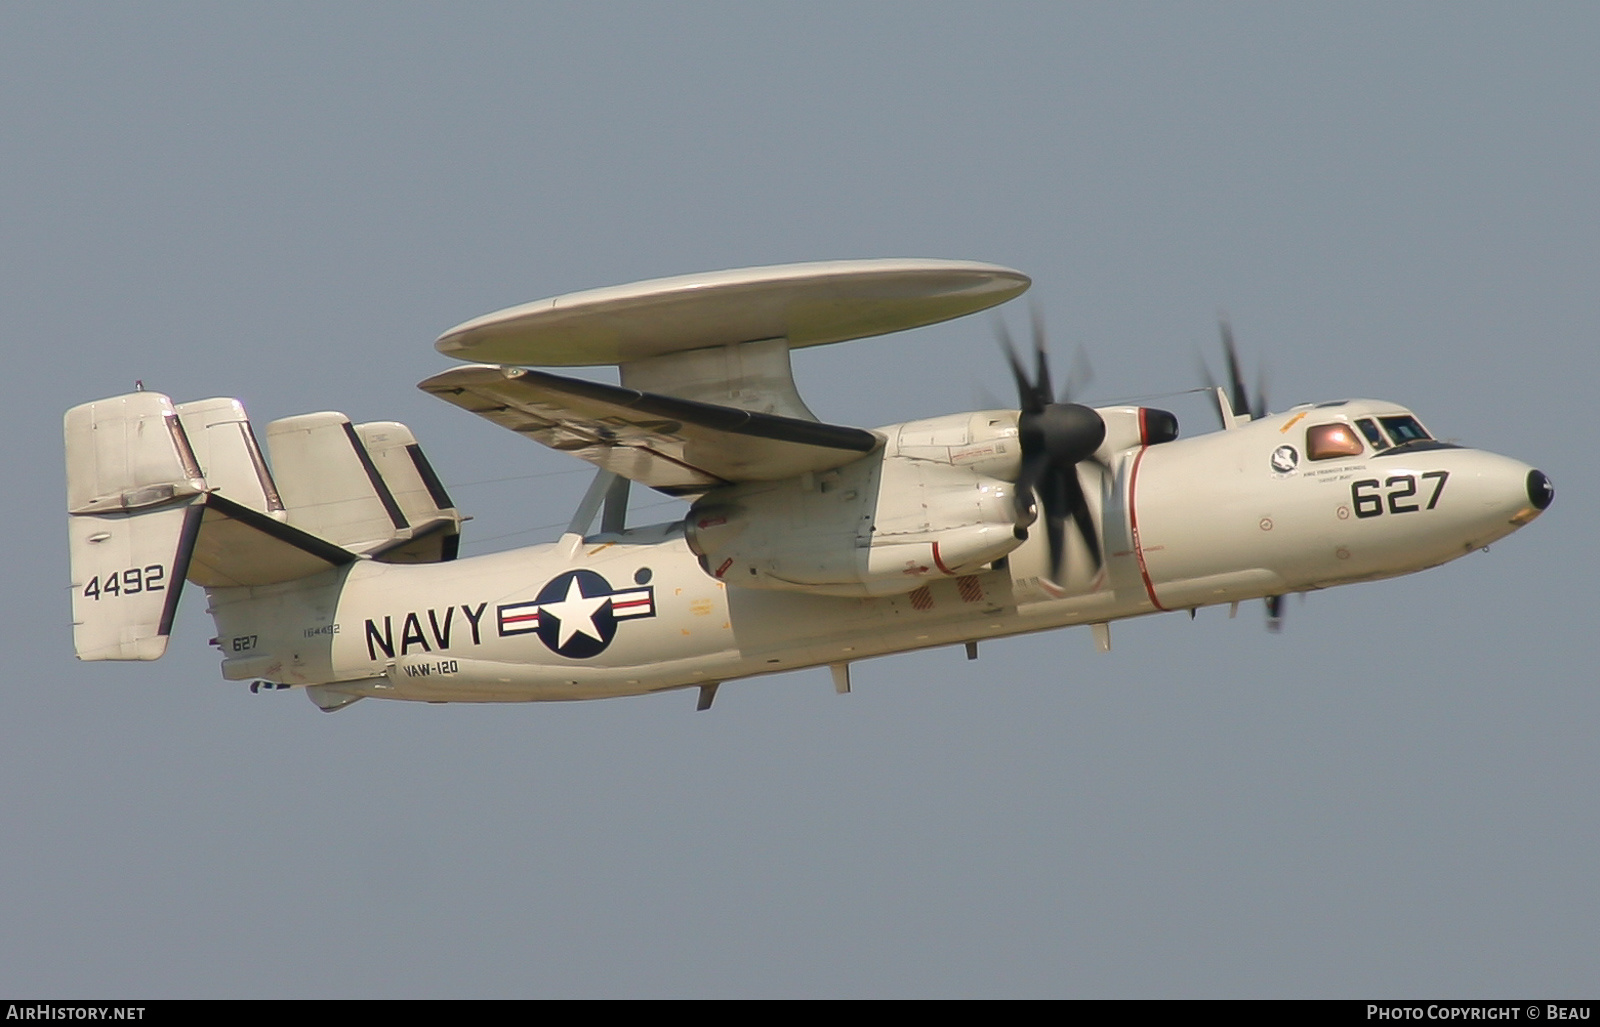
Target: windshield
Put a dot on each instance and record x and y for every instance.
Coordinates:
(1404, 428)
(1369, 428)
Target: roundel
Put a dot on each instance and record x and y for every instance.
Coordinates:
(576, 613)
(1284, 459)
(575, 618)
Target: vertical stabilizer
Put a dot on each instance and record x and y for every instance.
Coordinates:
(434, 531)
(132, 479)
(329, 483)
(223, 442)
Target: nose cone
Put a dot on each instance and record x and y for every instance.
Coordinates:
(1494, 495)
(1540, 491)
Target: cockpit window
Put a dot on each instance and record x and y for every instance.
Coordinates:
(1369, 428)
(1325, 441)
(1404, 429)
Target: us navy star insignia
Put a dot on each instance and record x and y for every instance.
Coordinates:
(576, 613)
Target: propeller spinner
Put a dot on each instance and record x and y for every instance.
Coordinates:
(1056, 435)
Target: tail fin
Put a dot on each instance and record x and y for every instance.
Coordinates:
(368, 489)
(433, 531)
(328, 482)
(219, 432)
(243, 538)
(143, 516)
(132, 483)
(158, 493)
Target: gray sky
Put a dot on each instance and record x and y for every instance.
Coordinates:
(288, 203)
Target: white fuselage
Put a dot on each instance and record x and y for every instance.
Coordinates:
(1219, 518)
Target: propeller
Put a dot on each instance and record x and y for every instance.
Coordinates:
(1056, 435)
(1241, 404)
(1239, 399)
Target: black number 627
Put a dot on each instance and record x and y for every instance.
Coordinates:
(1369, 502)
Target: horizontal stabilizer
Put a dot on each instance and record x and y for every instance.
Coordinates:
(678, 446)
(239, 546)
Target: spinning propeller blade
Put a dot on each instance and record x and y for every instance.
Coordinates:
(1239, 399)
(1242, 404)
(1056, 436)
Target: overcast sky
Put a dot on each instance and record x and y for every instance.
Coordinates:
(287, 203)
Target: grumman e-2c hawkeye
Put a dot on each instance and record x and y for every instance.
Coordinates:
(806, 544)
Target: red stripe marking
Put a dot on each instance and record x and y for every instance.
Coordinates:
(938, 562)
(519, 618)
(1133, 524)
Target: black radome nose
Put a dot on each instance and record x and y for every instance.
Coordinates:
(1540, 491)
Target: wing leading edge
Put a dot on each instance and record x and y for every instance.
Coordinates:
(676, 446)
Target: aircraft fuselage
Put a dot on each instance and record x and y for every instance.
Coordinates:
(1220, 518)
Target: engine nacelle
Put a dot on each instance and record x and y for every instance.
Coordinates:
(937, 500)
(1132, 427)
(928, 504)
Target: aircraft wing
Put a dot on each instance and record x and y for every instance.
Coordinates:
(677, 446)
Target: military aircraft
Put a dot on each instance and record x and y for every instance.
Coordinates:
(805, 544)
